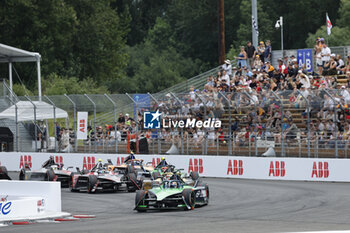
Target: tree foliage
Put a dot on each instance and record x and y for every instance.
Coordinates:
(148, 45)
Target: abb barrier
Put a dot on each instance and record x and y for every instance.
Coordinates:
(307, 169)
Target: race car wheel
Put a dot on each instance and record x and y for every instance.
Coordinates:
(207, 190)
(140, 195)
(3, 170)
(22, 174)
(190, 198)
(71, 184)
(133, 186)
(194, 175)
(130, 169)
(91, 183)
(50, 175)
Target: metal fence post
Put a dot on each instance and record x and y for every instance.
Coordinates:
(255, 121)
(205, 131)
(335, 122)
(75, 122)
(137, 124)
(95, 136)
(158, 132)
(230, 124)
(35, 127)
(307, 123)
(54, 119)
(182, 130)
(115, 121)
(282, 131)
(16, 120)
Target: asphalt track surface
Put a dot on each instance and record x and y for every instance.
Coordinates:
(235, 206)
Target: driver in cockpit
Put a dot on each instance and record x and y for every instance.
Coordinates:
(162, 163)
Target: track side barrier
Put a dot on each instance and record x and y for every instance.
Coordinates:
(306, 169)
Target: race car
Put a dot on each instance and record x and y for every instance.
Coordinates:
(164, 171)
(172, 194)
(100, 178)
(136, 175)
(4, 174)
(50, 171)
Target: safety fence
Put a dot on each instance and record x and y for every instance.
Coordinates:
(305, 123)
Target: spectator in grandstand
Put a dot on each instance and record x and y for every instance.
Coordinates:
(340, 64)
(257, 64)
(285, 61)
(268, 51)
(242, 58)
(121, 119)
(225, 78)
(330, 67)
(250, 50)
(227, 67)
(282, 67)
(318, 49)
(325, 53)
(261, 50)
(345, 94)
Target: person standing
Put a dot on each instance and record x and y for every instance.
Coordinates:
(325, 53)
(250, 50)
(242, 58)
(261, 50)
(227, 67)
(268, 51)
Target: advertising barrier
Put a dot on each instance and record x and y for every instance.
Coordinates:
(48, 192)
(307, 169)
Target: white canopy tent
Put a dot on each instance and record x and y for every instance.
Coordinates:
(10, 54)
(25, 111)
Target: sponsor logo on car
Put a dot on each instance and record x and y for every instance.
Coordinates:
(277, 169)
(235, 167)
(320, 170)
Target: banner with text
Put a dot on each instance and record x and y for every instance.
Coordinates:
(82, 125)
(308, 169)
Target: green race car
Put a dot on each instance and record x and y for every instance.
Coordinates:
(172, 194)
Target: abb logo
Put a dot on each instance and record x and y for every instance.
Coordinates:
(235, 167)
(59, 160)
(277, 168)
(155, 161)
(320, 170)
(25, 161)
(120, 161)
(88, 162)
(82, 125)
(195, 165)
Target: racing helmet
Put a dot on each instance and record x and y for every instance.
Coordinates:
(100, 160)
(131, 152)
(163, 158)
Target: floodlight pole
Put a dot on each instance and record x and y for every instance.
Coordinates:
(137, 125)
(10, 77)
(205, 132)
(230, 124)
(255, 121)
(16, 119)
(95, 136)
(38, 57)
(158, 131)
(335, 122)
(308, 122)
(182, 130)
(115, 121)
(35, 128)
(54, 120)
(75, 121)
(282, 131)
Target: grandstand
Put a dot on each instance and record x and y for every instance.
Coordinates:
(256, 114)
